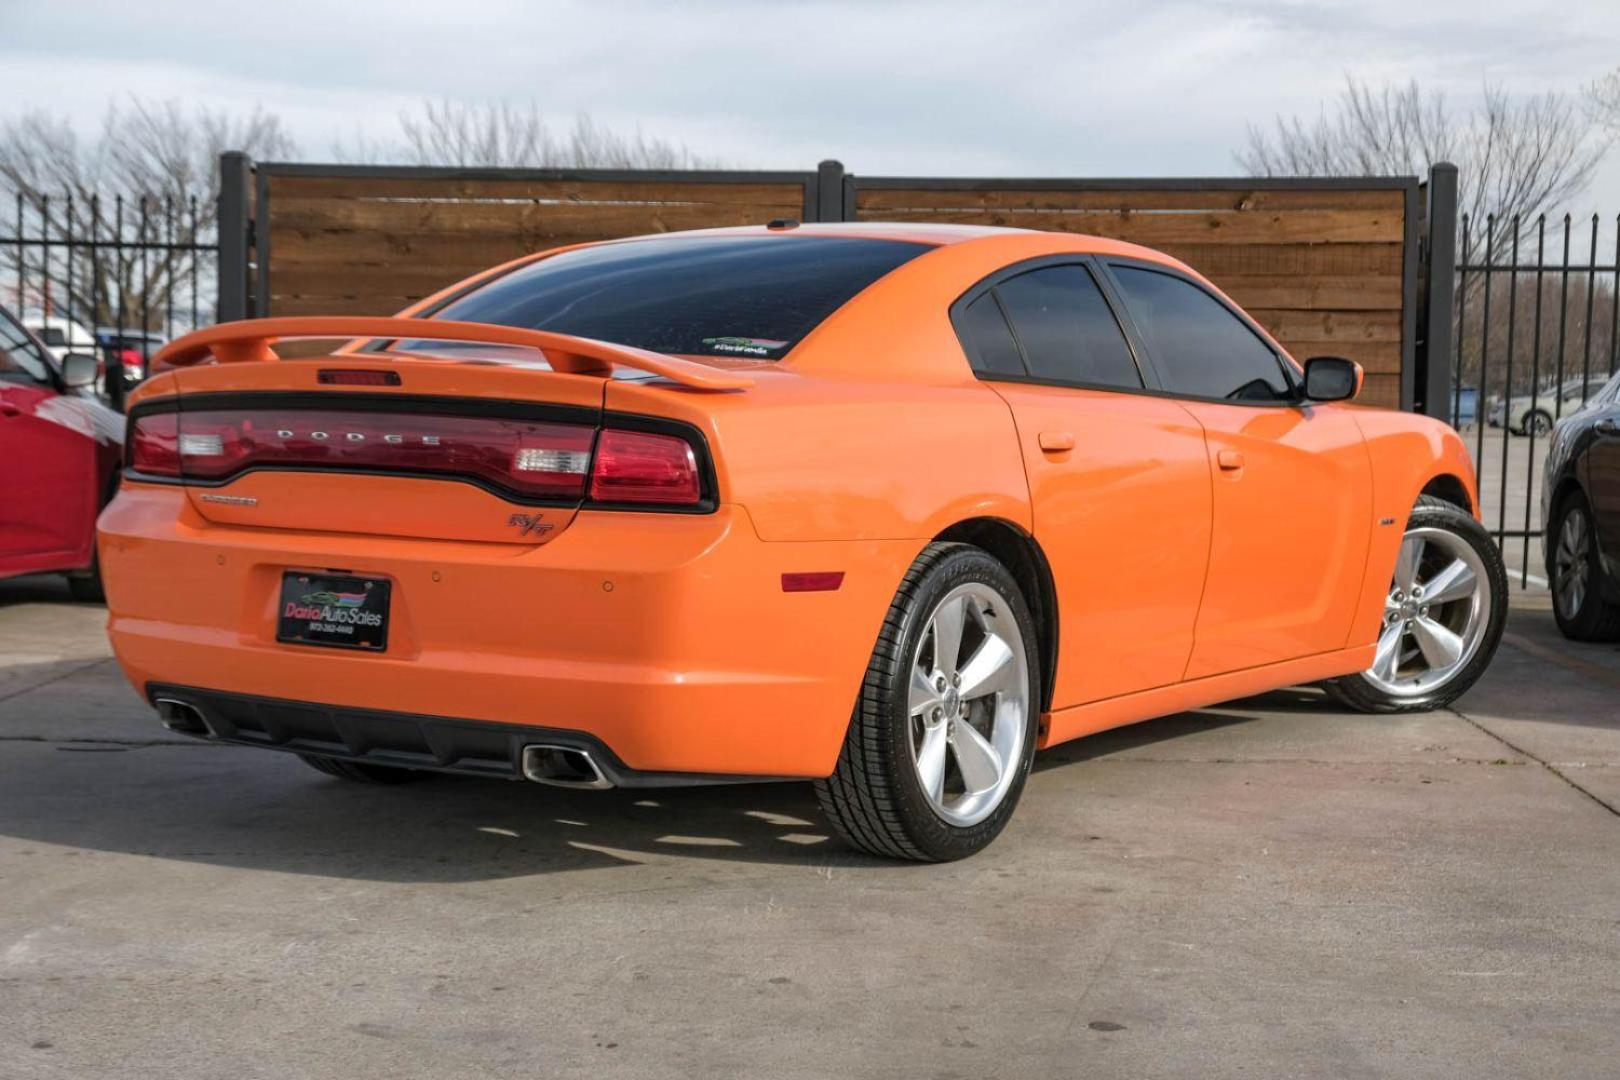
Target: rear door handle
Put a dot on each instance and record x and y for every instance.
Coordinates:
(1056, 442)
(1229, 459)
(1608, 427)
(7, 409)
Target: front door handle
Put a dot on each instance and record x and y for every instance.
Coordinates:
(1056, 442)
(1229, 459)
(8, 409)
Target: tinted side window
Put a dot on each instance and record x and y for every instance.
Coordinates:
(1201, 347)
(989, 341)
(20, 359)
(1066, 329)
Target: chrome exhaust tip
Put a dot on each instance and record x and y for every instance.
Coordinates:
(563, 766)
(181, 717)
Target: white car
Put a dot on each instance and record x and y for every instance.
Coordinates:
(1527, 414)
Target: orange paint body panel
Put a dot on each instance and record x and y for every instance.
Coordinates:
(1195, 550)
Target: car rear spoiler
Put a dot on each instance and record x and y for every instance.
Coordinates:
(249, 340)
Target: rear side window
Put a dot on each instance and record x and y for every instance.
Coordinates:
(1202, 348)
(988, 339)
(1066, 330)
(745, 296)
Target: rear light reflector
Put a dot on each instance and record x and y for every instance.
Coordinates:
(644, 467)
(815, 581)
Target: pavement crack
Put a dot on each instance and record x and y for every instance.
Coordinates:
(1544, 763)
(68, 674)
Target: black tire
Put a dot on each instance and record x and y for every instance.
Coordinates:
(86, 588)
(361, 772)
(1539, 422)
(1593, 618)
(874, 798)
(1356, 692)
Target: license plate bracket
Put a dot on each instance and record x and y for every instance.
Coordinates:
(337, 611)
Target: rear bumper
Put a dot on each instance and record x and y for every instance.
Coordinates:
(665, 639)
(399, 740)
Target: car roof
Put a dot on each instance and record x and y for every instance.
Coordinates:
(931, 233)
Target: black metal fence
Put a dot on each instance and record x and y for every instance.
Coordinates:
(1536, 323)
(126, 273)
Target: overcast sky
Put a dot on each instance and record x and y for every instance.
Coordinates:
(1115, 88)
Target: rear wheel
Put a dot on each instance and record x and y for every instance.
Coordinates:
(1443, 616)
(1577, 575)
(361, 772)
(1538, 423)
(943, 735)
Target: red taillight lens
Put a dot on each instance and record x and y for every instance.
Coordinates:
(532, 458)
(643, 467)
(129, 360)
(154, 444)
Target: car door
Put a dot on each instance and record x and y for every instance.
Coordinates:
(48, 466)
(1119, 479)
(1292, 481)
(1602, 472)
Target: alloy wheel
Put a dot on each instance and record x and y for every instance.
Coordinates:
(1569, 563)
(968, 704)
(1435, 616)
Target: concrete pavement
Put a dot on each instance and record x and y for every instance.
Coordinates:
(1265, 889)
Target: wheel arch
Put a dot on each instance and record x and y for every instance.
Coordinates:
(1451, 488)
(1021, 554)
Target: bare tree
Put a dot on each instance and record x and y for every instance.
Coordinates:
(1515, 157)
(1603, 97)
(500, 134)
(149, 176)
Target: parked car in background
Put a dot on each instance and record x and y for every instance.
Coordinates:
(59, 460)
(61, 336)
(1580, 502)
(880, 506)
(129, 353)
(1535, 414)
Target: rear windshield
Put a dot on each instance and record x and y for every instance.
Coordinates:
(746, 296)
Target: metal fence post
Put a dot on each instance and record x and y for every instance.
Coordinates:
(830, 191)
(1434, 390)
(235, 243)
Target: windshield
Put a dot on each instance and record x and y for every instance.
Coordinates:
(743, 296)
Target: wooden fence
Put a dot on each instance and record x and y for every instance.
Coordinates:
(1328, 266)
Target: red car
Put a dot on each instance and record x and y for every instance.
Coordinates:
(59, 461)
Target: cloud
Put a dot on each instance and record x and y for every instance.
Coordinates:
(1117, 88)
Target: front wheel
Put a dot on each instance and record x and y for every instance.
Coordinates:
(1538, 423)
(944, 732)
(1443, 616)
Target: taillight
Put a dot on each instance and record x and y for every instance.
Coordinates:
(154, 444)
(129, 360)
(644, 467)
(537, 459)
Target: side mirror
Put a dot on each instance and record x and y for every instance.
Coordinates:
(79, 370)
(1331, 378)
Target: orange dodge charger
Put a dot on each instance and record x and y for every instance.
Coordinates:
(885, 507)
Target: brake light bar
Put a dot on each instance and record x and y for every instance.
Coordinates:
(529, 459)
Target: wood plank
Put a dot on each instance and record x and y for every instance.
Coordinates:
(352, 279)
(355, 188)
(1298, 260)
(380, 249)
(875, 203)
(1190, 227)
(1341, 293)
(1381, 391)
(1375, 357)
(1339, 326)
(534, 219)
